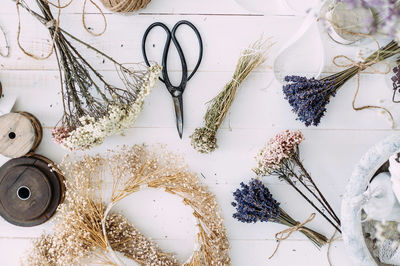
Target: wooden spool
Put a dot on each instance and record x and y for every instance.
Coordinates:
(30, 191)
(20, 134)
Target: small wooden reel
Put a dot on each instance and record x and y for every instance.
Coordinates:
(30, 191)
(20, 134)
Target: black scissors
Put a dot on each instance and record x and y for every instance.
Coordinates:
(175, 91)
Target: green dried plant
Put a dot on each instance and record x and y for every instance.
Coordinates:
(204, 139)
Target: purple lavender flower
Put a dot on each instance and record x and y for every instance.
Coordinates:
(308, 97)
(255, 203)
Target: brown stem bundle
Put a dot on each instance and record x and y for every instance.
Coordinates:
(93, 108)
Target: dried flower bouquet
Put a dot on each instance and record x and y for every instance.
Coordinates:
(204, 139)
(254, 203)
(87, 229)
(281, 157)
(93, 108)
(309, 97)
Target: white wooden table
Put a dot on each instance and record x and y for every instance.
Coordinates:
(259, 111)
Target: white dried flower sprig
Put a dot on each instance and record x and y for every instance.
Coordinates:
(85, 232)
(94, 131)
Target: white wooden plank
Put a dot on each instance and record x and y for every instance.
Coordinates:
(223, 37)
(243, 252)
(227, 7)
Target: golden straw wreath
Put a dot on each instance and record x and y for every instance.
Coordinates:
(86, 229)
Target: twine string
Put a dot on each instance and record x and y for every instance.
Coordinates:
(48, 24)
(55, 24)
(285, 234)
(236, 81)
(331, 240)
(59, 6)
(361, 66)
(84, 13)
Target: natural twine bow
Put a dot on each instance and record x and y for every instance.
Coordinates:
(285, 234)
(361, 67)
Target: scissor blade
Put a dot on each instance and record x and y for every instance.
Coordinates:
(178, 104)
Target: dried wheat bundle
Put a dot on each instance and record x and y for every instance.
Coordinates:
(204, 139)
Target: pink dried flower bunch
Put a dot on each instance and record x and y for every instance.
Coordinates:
(59, 134)
(278, 148)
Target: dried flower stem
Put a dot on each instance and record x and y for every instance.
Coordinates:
(321, 197)
(286, 173)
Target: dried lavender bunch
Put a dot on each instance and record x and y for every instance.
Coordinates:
(387, 15)
(254, 203)
(281, 157)
(93, 108)
(309, 97)
(204, 139)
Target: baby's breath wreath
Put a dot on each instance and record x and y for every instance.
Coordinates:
(87, 229)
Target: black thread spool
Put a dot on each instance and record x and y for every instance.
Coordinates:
(30, 191)
(20, 134)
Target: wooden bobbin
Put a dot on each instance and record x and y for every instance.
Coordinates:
(20, 134)
(30, 191)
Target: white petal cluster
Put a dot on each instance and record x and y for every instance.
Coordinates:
(94, 131)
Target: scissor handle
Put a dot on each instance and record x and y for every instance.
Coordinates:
(166, 47)
(178, 46)
(185, 77)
